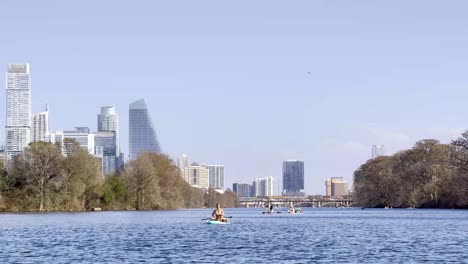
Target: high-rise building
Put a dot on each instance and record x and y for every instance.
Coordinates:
(107, 137)
(269, 186)
(105, 146)
(241, 189)
(108, 121)
(40, 126)
(18, 109)
(197, 176)
(216, 176)
(142, 133)
(293, 178)
(263, 187)
(377, 151)
(336, 187)
(328, 184)
(183, 162)
(340, 189)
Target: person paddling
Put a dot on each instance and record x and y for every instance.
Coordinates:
(218, 214)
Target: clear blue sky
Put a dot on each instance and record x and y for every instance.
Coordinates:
(249, 84)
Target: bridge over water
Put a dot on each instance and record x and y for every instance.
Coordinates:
(281, 201)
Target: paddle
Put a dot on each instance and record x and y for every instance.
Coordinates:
(204, 219)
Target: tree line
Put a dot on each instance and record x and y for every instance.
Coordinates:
(42, 179)
(430, 175)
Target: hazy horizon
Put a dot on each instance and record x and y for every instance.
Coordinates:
(251, 84)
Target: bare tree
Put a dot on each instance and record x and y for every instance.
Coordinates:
(44, 160)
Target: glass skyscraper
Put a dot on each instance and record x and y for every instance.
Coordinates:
(293, 178)
(18, 109)
(377, 151)
(105, 146)
(108, 121)
(107, 140)
(142, 134)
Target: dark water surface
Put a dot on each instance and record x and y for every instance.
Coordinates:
(317, 235)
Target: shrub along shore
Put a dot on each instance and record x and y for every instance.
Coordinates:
(44, 180)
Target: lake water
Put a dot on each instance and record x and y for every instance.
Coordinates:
(317, 235)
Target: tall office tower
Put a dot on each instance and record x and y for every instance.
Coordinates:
(197, 176)
(216, 176)
(377, 151)
(183, 161)
(107, 137)
(241, 189)
(293, 178)
(40, 126)
(336, 187)
(108, 121)
(142, 134)
(105, 145)
(18, 109)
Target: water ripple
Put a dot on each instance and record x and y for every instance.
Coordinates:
(318, 235)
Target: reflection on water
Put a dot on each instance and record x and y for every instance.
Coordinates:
(321, 235)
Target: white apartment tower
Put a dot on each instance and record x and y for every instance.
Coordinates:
(183, 162)
(216, 176)
(263, 186)
(40, 126)
(197, 176)
(18, 109)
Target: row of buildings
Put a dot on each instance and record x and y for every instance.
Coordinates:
(260, 187)
(23, 128)
(292, 183)
(201, 176)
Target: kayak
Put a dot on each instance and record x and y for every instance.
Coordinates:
(214, 222)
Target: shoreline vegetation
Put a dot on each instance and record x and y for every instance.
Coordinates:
(430, 175)
(44, 180)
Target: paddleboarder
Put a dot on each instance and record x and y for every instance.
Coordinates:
(218, 214)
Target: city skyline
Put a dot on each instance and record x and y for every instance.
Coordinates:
(311, 81)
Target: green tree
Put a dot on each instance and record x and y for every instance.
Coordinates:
(374, 184)
(83, 180)
(423, 170)
(428, 175)
(114, 194)
(154, 182)
(140, 179)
